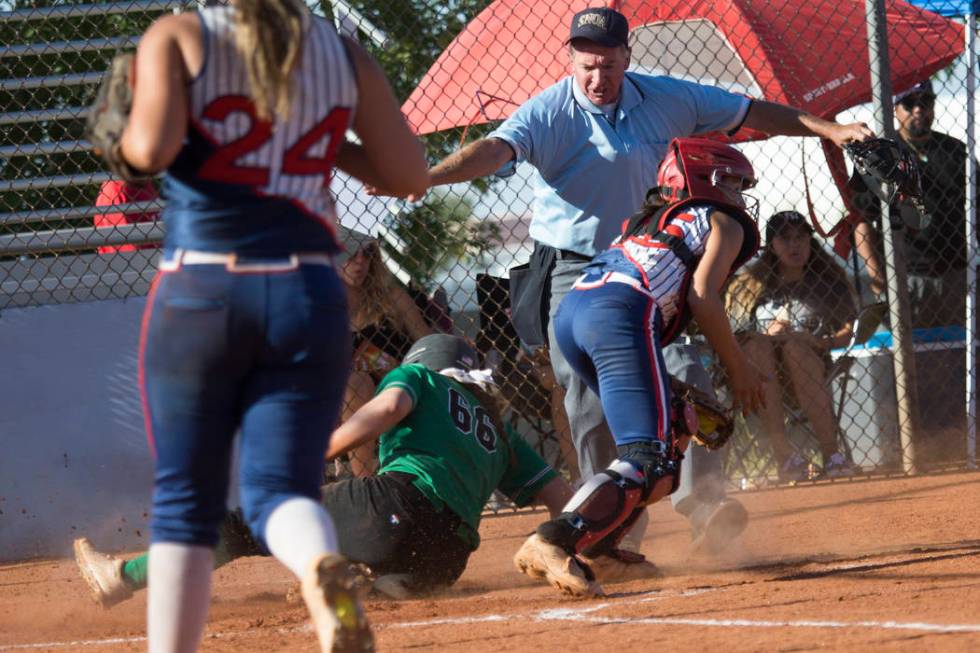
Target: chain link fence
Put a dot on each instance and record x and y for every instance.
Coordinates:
(809, 315)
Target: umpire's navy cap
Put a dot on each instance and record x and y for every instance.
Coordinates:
(601, 25)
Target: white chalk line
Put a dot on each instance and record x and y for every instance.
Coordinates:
(584, 614)
(750, 623)
(136, 639)
(78, 642)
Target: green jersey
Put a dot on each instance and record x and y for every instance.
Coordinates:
(449, 443)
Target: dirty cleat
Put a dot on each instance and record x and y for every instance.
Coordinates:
(542, 560)
(331, 597)
(102, 574)
(723, 523)
(620, 565)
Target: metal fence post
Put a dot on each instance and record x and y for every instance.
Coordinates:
(971, 235)
(906, 394)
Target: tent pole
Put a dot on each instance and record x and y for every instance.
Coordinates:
(971, 270)
(903, 356)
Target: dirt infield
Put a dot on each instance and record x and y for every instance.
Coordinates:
(890, 565)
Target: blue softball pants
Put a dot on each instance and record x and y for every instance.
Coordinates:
(265, 354)
(610, 336)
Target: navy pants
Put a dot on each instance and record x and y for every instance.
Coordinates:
(266, 354)
(610, 336)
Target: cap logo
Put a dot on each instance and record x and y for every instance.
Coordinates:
(598, 20)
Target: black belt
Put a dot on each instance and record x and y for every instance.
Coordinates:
(569, 255)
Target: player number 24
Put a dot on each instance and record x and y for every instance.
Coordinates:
(224, 165)
(464, 418)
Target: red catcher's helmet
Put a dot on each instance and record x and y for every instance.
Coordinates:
(694, 166)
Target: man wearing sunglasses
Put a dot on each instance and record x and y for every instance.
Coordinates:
(935, 246)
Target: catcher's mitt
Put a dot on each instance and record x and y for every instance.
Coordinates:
(882, 161)
(108, 115)
(715, 422)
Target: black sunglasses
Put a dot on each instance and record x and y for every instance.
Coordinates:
(921, 101)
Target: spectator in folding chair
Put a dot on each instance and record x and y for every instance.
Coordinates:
(790, 308)
(384, 320)
(116, 191)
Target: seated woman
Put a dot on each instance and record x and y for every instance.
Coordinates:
(385, 321)
(790, 308)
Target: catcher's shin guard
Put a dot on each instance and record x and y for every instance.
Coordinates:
(610, 542)
(610, 499)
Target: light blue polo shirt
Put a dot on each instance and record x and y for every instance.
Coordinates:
(592, 173)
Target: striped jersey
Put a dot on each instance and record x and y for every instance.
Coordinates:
(654, 264)
(255, 186)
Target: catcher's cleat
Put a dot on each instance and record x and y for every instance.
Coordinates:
(722, 525)
(620, 565)
(541, 560)
(335, 609)
(102, 574)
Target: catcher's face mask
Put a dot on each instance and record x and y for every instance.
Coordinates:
(702, 169)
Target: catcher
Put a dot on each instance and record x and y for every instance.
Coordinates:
(443, 450)
(669, 265)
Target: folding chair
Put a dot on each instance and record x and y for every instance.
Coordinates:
(839, 374)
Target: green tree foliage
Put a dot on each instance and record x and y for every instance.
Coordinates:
(440, 229)
(54, 63)
(418, 31)
(437, 234)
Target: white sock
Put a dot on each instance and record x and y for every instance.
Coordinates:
(179, 585)
(298, 531)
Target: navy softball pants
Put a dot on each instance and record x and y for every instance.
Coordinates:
(610, 336)
(265, 354)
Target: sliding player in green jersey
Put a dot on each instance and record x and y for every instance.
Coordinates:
(443, 450)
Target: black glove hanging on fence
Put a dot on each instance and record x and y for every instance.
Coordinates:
(882, 161)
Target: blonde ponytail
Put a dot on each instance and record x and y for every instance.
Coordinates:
(269, 38)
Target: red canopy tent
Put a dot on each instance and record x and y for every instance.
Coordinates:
(812, 55)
